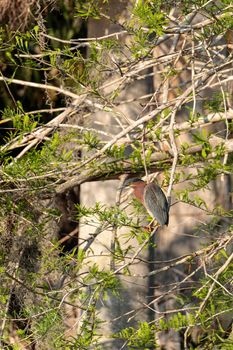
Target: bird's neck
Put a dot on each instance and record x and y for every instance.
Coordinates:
(138, 192)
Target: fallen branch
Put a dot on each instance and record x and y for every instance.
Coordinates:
(156, 159)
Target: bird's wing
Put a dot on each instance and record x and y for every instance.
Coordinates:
(156, 203)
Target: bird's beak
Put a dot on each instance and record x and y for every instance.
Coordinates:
(124, 186)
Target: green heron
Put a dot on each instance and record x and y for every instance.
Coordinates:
(152, 198)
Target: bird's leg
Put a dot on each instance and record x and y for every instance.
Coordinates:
(152, 221)
(151, 225)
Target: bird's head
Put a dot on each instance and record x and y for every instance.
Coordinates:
(133, 183)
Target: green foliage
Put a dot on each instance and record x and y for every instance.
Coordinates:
(88, 9)
(202, 139)
(91, 140)
(21, 121)
(149, 14)
(112, 216)
(46, 322)
(117, 152)
(148, 21)
(177, 322)
(142, 337)
(215, 104)
(36, 163)
(48, 278)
